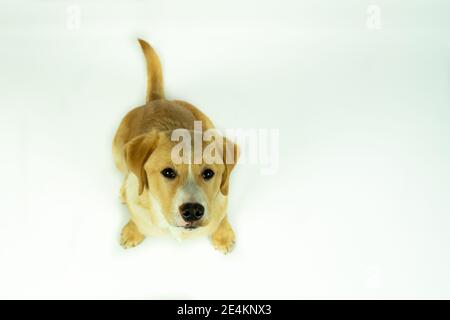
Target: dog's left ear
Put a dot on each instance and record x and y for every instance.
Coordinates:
(137, 152)
(230, 158)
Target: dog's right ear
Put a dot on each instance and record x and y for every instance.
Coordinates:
(137, 152)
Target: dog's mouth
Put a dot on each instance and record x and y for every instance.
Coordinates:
(191, 226)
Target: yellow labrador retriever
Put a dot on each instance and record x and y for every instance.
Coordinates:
(165, 195)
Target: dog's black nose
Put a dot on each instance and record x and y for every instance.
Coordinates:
(192, 211)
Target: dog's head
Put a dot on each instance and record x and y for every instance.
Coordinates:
(190, 194)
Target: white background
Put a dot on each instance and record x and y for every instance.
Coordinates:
(359, 208)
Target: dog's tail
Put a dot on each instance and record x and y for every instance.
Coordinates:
(155, 86)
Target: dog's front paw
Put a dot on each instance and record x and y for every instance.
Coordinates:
(224, 239)
(130, 236)
(224, 245)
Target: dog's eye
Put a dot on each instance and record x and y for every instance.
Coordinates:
(169, 173)
(207, 174)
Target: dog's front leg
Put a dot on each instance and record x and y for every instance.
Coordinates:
(223, 238)
(122, 194)
(123, 191)
(130, 236)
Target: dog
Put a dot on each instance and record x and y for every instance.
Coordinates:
(187, 199)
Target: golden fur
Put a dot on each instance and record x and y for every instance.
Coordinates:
(142, 149)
